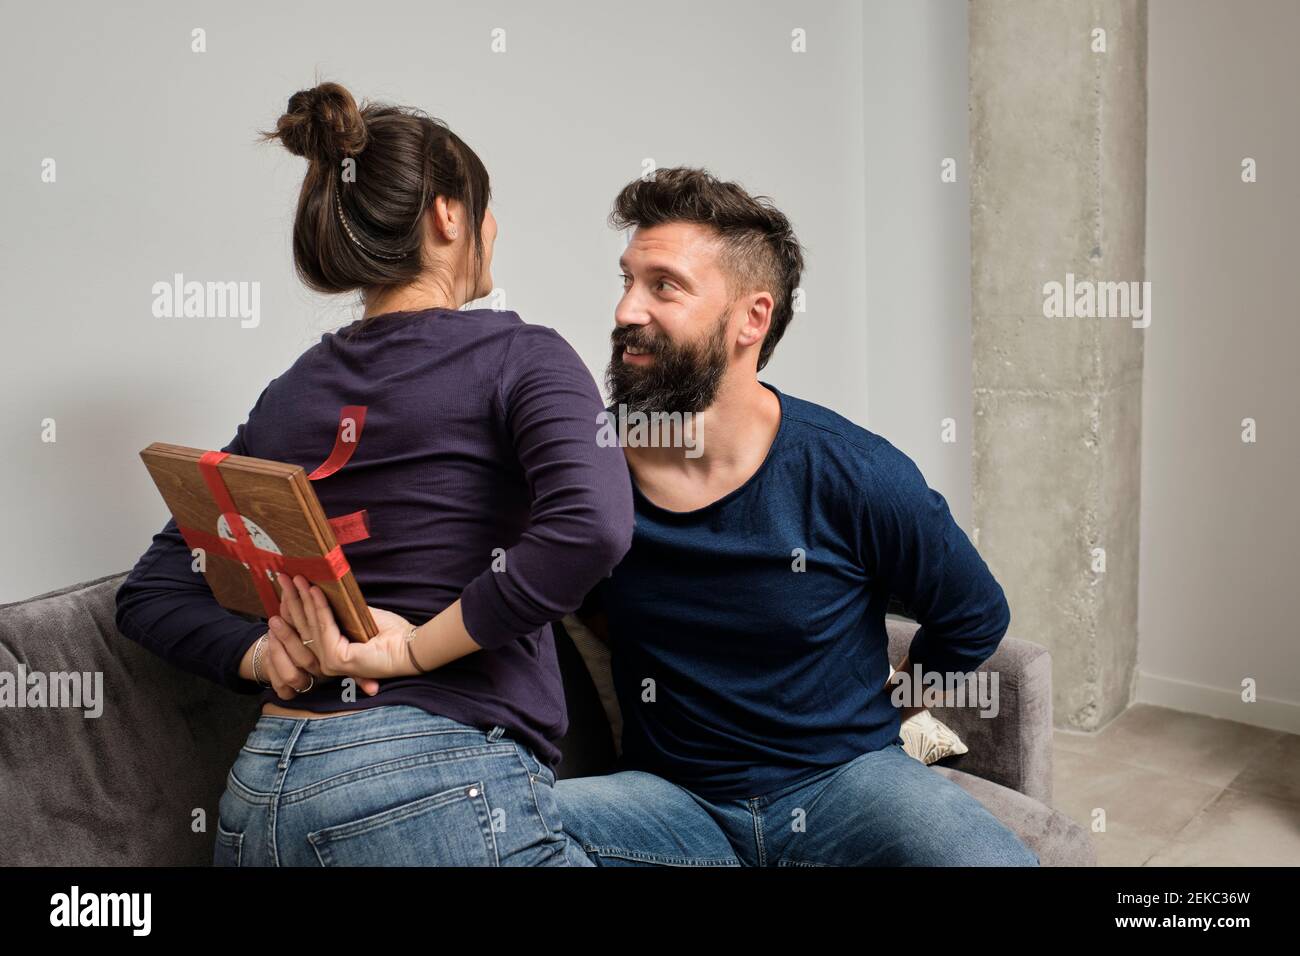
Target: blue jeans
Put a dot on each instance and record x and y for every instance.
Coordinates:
(389, 786)
(883, 808)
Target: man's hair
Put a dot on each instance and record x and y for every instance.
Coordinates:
(759, 248)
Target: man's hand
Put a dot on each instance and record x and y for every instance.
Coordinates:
(903, 668)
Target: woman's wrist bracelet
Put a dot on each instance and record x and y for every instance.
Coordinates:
(410, 651)
(257, 661)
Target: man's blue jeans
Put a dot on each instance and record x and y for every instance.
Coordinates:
(883, 808)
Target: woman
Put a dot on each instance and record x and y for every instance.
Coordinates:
(492, 511)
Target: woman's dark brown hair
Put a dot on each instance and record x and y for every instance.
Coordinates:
(363, 230)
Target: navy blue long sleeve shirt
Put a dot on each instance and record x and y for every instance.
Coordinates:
(748, 641)
(479, 465)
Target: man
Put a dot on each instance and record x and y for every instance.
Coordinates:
(746, 623)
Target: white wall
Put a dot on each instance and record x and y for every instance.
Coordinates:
(1220, 562)
(916, 84)
(158, 173)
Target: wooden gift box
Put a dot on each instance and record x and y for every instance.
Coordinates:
(284, 528)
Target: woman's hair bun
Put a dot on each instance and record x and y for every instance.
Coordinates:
(322, 124)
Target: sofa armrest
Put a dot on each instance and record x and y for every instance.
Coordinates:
(1014, 747)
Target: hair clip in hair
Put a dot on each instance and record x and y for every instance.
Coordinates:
(338, 204)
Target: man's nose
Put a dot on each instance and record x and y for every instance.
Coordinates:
(630, 312)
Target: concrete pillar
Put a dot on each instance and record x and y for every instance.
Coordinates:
(1058, 186)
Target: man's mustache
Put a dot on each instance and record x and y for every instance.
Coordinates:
(637, 338)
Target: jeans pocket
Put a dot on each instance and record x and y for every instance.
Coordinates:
(535, 766)
(531, 763)
(548, 807)
(228, 849)
(541, 779)
(450, 828)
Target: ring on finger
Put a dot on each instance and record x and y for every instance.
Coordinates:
(310, 685)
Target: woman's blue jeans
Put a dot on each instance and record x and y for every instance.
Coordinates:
(389, 786)
(883, 808)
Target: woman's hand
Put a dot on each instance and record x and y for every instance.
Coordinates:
(309, 623)
(287, 678)
(291, 666)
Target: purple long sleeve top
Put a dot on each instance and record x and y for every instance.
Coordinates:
(480, 468)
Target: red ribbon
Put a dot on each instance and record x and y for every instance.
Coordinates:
(356, 526)
(353, 527)
(347, 528)
(343, 449)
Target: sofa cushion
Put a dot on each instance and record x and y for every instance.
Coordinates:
(126, 787)
(928, 739)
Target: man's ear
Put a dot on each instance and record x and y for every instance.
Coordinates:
(758, 319)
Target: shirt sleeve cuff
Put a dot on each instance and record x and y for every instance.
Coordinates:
(483, 613)
(233, 679)
(934, 659)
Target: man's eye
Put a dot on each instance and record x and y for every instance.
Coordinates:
(625, 277)
(664, 283)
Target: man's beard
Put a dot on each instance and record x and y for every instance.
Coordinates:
(681, 378)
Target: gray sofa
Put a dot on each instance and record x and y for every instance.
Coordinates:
(127, 787)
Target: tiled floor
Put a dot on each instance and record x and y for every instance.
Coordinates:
(1183, 790)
